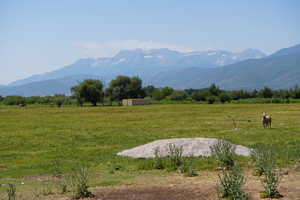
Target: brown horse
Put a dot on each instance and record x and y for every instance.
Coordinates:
(266, 120)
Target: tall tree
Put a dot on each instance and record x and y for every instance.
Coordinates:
(124, 87)
(214, 90)
(90, 91)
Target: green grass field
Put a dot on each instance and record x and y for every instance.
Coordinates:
(32, 138)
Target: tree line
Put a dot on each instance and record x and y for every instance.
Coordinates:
(124, 87)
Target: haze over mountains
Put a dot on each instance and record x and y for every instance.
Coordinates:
(249, 69)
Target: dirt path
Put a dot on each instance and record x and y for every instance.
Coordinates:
(178, 187)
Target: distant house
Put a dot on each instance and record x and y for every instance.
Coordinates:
(134, 102)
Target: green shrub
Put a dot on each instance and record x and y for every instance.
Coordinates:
(11, 192)
(271, 183)
(211, 99)
(231, 184)
(158, 162)
(264, 158)
(187, 168)
(157, 95)
(224, 152)
(178, 95)
(175, 156)
(13, 100)
(224, 97)
(59, 100)
(80, 182)
(199, 96)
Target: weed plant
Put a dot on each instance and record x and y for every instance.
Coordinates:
(224, 152)
(11, 192)
(175, 156)
(264, 158)
(271, 183)
(231, 183)
(158, 162)
(80, 182)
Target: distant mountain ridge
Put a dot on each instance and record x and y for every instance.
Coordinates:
(249, 69)
(47, 87)
(144, 63)
(280, 70)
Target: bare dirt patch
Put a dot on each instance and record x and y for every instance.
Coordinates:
(178, 187)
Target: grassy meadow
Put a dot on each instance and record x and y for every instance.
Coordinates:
(33, 138)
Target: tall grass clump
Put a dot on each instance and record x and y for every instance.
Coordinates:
(231, 184)
(158, 162)
(11, 192)
(175, 156)
(224, 152)
(187, 167)
(80, 182)
(271, 183)
(264, 158)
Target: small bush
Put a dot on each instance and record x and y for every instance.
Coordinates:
(224, 97)
(13, 100)
(231, 184)
(59, 100)
(146, 164)
(211, 99)
(80, 182)
(11, 192)
(158, 162)
(224, 152)
(178, 95)
(187, 168)
(199, 96)
(264, 158)
(175, 156)
(271, 183)
(62, 186)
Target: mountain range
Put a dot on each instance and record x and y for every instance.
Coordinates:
(249, 69)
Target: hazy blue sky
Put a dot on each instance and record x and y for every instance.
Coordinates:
(40, 36)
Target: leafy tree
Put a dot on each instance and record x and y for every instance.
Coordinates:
(214, 90)
(167, 91)
(240, 94)
(149, 90)
(124, 87)
(59, 100)
(200, 96)
(296, 92)
(33, 100)
(178, 95)
(135, 88)
(157, 95)
(254, 94)
(266, 92)
(211, 99)
(224, 97)
(1, 98)
(90, 91)
(45, 100)
(14, 100)
(77, 95)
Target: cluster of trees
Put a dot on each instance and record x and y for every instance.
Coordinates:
(124, 87)
(58, 100)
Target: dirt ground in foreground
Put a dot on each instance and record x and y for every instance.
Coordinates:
(178, 187)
